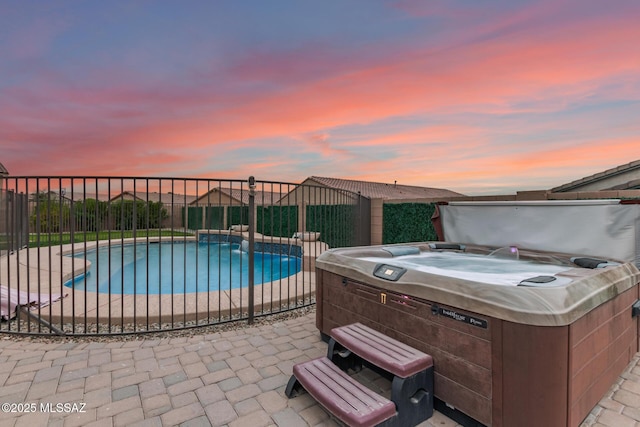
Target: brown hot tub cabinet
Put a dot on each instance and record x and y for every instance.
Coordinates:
(536, 354)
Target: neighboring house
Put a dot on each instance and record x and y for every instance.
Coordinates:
(167, 199)
(381, 190)
(220, 207)
(235, 196)
(367, 197)
(59, 197)
(3, 171)
(624, 177)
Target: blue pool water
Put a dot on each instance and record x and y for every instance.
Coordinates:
(196, 267)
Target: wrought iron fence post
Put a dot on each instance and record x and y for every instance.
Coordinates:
(252, 195)
(23, 216)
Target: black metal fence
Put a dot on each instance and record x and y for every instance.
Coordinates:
(14, 231)
(105, 255)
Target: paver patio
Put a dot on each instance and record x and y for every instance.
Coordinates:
(234, 378)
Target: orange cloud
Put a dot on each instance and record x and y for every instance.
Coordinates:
(380, 113)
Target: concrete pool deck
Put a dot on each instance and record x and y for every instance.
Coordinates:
(234, 378)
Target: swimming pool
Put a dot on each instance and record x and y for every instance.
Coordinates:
(177, 268)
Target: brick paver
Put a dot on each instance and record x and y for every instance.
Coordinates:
(232, 378)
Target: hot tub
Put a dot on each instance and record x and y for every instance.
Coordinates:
(518, 337)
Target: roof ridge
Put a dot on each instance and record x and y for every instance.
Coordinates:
(374, 182)
(598, 175)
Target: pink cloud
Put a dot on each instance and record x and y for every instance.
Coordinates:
(491, 75)
(536, 168)
(117, 122)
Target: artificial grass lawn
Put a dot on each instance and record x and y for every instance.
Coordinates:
(46, 239)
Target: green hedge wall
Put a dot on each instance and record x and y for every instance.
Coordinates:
(214, 219)
(193, 216)
(334, 222)
(407, 222)
(237, 215)
(277, 221)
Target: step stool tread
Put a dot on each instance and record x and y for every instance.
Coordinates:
(381, 350)
(343, 396)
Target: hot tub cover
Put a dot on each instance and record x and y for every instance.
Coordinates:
(600, 228)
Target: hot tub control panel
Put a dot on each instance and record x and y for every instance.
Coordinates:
(389, 272)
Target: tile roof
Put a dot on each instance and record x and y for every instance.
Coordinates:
(600, 176)
(261, 197)
(381, 190)
(159, 197)
(242, 195)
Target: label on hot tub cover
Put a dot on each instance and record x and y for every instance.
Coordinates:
(465, 318)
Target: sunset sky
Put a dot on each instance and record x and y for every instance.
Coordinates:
(488, 97)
